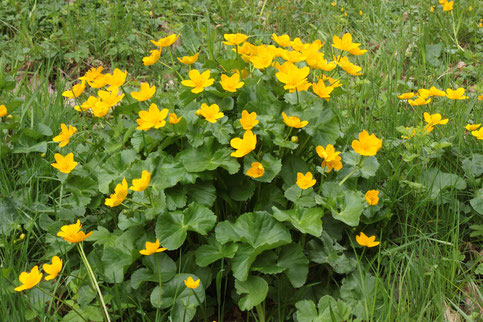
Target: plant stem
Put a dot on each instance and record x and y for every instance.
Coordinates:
(260, 313)
(93, 280)
(63, 302)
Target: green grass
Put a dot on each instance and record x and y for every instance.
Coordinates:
(425, 267)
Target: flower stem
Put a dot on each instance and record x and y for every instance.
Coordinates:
(62, 301)
(352, 172)
(93, 280)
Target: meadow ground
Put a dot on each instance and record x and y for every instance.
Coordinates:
(257, 218)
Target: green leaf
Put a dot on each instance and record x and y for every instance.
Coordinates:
(202, 159)
(473, 167)
(175, 291)
(307, 221)
(190, 41)
(437, 181)
(155, 264)
(477, 201)
(352, 208)
(328, 251)
(39, 147)
(115, 167)
(302, 198)
(271, 164)
(329, 310)
(213, 251)
(256, 290)
(115, 263)
(293, 259)
(369, 166)
(171, 228)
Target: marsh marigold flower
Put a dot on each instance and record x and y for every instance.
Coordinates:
(457, 94)
(292, 76)
(248, 120)
(72, 233)
(245, 145)
(472, 127)
(152, 118)
(29, 279)
(173, 118)
(198, 81)
(367, 145)
(305, 181)
(145, 93)
(94, 77)
(419, 101)
(282, 41)
(478, 134)
(142, 183)
(298, 45)
(120, 193)
(433, 91)
(480, 98)
(363, 240)
(87, 105)
(189, 60)
(117, 78)
(53, 269)
(64, 164)
(256, 171)
(65, 134)
(191, 283)
(234, 39)
(166, 41)
(3, 110)
(372, 197)
(330, 156)
(347, 66)
(321, 90)
(262, 57)
(432, 120)
(405, 96)
(152, 58)
(76, 91)
(448, 5)
(345, 43)
(232, 83)
(294, 121)
(151, 248)
(211, 113)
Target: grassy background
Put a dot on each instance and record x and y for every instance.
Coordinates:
(426, 271)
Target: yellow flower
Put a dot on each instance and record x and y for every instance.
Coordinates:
(472, 127)
(189, 60)
(65, 134)
(145, 93)
(117, 78)
(321, 90)
(262, 57)
(92, 74)
(53, 269)
(316, 60)
(282, 41)
(245, 145)
(433, 119)
(152, 118)
(151, 248)
(152, 58)
(360, 12)
(247, 50)
(334, 3)
(345, 43)
(448, 6)
(293, 56)
(198, 81)
(191, 283)
(480, 98)
(372, 197)
(110, 97)
(211, 113)
(3, 110)
(356, 51)
(347, 66)
(64, 164)
(332, 82)
(305, 181)
(30, 279)
(232, 83)
(412, 134)
(248, 120)
(367, 145)
(256, 171)
(456, 94)
(431, 9)
(478, 134)
(142, 183)
(89, 104)
(234, 39)
(405, 96)
(72, 233)
(419, 101)
(298, 45)
(120, 193)
(76, 91)
(470, 8)
(433, 91)
(363, 240)
(293, 121)
(166, 41)
(330, 156)
(292, 76)
(173, 118)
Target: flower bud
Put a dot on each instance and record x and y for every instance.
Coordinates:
(9, 116)
(198, 112)
(22, 236)
(294, 139)
(43, 155)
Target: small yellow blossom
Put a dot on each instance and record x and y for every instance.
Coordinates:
(87, 105)
(333, 3)
(232, 83)
(29, 279)
(72, 233)
(245, 145)
(433, 119)
(431, 9)
(305, 181)
(3, 110)
(256, 171)
(262, 57)
(293, 56)
(166, 41)
(360, 12)
(53, 269)
(321, 90)
(173, 118)
(120, 193)
(298, 45)
(65, 134)
(152, 58)
(448, 6)
(64, 164)
(363, 240)
(198, 81)
(234, 39)
(472, 127)
(282, 41)
(211, 112)
(117, 78)
(191, 283)
(372, 197)
(76, 91)
(419, 101)
(345, 43)
(248, 120)
(347, 66)
(367, 145)
(457, 94)
(92, 74)
(142, 183)
(292, 76)
(151, 248)
(316, 60)
(470, 8)
(478, 134)
(145, 93)
(152, 118)
(330, 156)
(294, 121)
(480, 98)
(405, 96)
(189, 60)
(433, 91)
